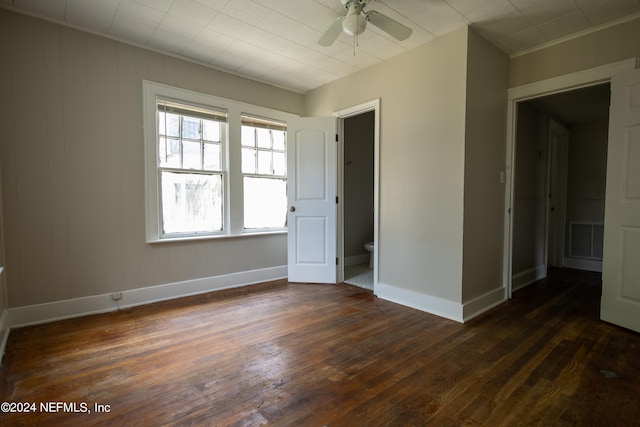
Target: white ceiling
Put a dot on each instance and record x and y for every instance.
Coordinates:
(276, 40)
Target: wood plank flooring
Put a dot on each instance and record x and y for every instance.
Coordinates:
(321, 355)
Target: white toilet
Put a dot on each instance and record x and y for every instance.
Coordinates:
(369, 247)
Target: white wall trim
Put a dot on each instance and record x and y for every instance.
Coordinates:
(527, 277)
(483, 303)
(570, 81)
(583, 264)
(48, 312)
(423, 302)
(4, 332)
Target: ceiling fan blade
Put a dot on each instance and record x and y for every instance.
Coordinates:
(332, 33)
(389, 25)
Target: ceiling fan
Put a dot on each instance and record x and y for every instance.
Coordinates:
(355, 21)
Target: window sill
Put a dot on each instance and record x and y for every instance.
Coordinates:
(215, 237)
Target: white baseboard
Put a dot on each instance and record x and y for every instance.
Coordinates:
(583, 264)
(527, 277)
(423, 302)
(57, 310)
(4, 332)
(483, 303)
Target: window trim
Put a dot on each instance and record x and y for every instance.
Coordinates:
(233, 197)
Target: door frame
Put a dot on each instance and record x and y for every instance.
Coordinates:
(341, 115)
(580, 79)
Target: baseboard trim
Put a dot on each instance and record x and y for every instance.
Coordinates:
(58, 310)
(4, 332)
(423, 302)
(483, 303)
(527, 277)
(583, 264)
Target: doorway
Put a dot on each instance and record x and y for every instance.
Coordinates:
(358, 190)
(358, 199)
(517, 96)
(561, 145)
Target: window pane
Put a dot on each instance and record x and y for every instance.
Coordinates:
(264, 163)
(172, 125)
(278, 140)
(212, 157)
(264, 138)
(279, 164)
(192, 157)
(265, 202)
(248, 160)
(169, 152)
(191, 203)
(210, 130)
(248, 136)
(190, 128)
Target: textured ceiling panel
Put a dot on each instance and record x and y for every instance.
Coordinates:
(276, 40)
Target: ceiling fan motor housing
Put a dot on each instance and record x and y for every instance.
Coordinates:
(354, 23)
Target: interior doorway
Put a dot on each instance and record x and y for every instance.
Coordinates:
(559, 182)
(358, 200)
(358, 190)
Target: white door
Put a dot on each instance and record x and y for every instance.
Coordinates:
(557, 184)
(620, 302)
(312, 162)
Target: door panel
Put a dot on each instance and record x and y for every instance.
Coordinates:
(620, 268)
(557, 182)
(312, 162)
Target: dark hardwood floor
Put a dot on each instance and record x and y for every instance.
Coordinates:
(322, 355)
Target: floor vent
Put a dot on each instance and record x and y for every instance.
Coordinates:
(586, 240)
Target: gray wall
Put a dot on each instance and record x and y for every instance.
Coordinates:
(587, 171)
(72, 166)
(485, 151)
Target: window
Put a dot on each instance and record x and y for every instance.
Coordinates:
(264, 173)
(214, 167)
(190, 167)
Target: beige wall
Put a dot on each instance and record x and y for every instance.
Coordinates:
(422, 98)
(484, 159)
(602, 47)
(442, 147)
(73, 168)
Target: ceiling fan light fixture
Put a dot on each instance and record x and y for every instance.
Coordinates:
(354, 23)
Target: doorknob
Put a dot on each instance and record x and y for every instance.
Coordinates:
(292, 209)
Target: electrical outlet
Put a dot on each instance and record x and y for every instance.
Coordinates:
(116, 296)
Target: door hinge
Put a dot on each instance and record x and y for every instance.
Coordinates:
(337, 137)
(509, 211)
(337, 200)
(337, 261)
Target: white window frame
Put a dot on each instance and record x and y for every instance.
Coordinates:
(231, 151)
(270, 125)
